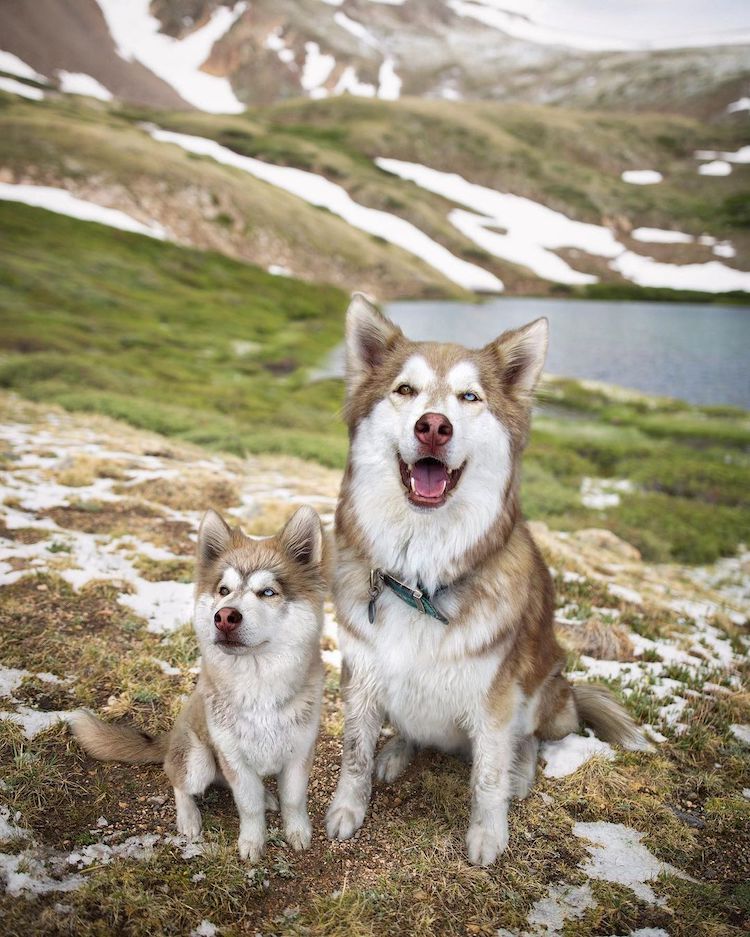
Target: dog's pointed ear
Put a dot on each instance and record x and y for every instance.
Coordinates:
(521, 354)
(214, 536)
(302, 537)
(369, 335)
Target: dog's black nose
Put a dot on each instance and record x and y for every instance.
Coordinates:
(433, 430)
(227, 619)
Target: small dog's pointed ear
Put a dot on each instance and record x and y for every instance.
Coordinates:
(521, 354)
(369, 335)
(302, 537)
(214, 536)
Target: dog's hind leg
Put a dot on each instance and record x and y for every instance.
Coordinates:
(394, 759)
(272, 803)
(524, 766)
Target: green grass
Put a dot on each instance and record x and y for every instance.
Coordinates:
(101, 320)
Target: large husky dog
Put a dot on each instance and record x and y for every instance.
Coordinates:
(256, 708)
(444, 603)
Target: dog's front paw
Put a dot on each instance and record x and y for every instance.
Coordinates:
(344, 818)
(250, 847)
(298, 832)
(484, 844)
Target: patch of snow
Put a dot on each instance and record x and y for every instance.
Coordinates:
(204, 929)
(349, 83)
(18, 87)
(624, 593)
(11, 679)
(724, 249)
(322, 192)
(167, 668)
(32, 721)
(566, 755)
(9, 828)
(717, 167)
(746, 792)
(26, 873)
(602, 493)
(742, 155)
(79, 83)
(134, 847)
(275, 42)
(277, 270)
(659, 236)
(561, 903)
(317, 68)
(389, 84)
(137, 37)
(355, 29)
(711, 277)
(62, 202)
(741, 733)
(533, 231)
(449, 93)
(647, 932)
(641, 176)
(516, 248)
(617, 855)
(166, 606)
(11, 64)
(741, 104)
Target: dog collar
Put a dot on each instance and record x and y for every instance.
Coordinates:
(416, 598)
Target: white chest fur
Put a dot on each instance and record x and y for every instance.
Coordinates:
(430, 693)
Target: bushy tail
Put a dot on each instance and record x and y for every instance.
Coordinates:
(598, 708)
(117, 743)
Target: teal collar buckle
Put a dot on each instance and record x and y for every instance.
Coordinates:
(416, 598)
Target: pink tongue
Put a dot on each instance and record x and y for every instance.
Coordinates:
(429, 479)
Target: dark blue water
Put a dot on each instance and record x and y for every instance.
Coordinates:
(698, 353)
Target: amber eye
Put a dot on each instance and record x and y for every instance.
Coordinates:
(405, 390)
(223, 590)
(469, 397)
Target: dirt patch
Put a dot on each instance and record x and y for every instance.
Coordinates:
(185, 492)
(125, 518)
(23, 534)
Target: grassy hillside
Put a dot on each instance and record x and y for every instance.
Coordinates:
(566, 159)
(206, 349)
(175, 340)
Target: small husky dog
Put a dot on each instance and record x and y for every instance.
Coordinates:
(445, 606)
(256, 708)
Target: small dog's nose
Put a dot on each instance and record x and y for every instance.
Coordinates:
(433, 429)
(227, 619)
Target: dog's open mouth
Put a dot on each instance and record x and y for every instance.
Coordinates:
(428, 482)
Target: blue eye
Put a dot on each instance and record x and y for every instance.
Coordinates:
(469, 397)
(268, 593)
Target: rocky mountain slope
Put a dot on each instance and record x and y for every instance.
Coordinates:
(97, 526)
(221, 56)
